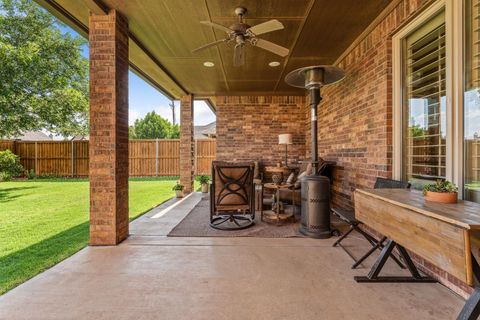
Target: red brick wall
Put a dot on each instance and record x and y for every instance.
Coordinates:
(108, 129)
(186, 143)
(355, 118)
(248, 128)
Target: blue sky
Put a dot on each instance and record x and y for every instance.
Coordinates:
(144, 98)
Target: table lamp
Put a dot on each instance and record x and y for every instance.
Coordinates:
(285, 139)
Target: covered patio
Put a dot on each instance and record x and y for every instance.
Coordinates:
(151, 276)
(368, 127)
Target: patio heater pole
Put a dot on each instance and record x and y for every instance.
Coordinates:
(315, 99)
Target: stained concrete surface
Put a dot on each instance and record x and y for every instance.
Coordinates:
(151, 276)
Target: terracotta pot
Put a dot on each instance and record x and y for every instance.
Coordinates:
(205, 188)
(441, 197)
(179, 193)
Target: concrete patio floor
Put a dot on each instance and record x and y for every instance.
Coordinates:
(151, 276)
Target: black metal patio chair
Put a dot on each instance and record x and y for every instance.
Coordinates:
(348, 216)
(232, 203)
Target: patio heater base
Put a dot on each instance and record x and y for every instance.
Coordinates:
(315, 219)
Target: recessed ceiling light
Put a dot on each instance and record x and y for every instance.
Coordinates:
(208, 64)
(274, 64)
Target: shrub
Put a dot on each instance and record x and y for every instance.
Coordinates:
(5, 176)
(9, 165)
(48, 176)
(202, 179)
(30, 174)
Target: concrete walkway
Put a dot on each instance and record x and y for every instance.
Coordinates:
(151, 276)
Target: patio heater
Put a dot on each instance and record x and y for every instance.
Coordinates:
(315, 218)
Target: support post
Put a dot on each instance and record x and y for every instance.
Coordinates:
(108, 144)
(36, 159)
(186, 142)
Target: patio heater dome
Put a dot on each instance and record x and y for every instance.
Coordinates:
(315, 218)
(314, 76)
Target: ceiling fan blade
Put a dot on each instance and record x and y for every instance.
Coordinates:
(239, 55)
(269, 26)
(216, 25)
(270, 46)
(208, 45)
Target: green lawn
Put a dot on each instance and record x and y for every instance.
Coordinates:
(44, 221)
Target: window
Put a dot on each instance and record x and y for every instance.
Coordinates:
(471, 108)
(423, 104)
(436, 96)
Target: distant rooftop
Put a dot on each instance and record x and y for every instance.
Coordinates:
(205, 131)
(32, 136)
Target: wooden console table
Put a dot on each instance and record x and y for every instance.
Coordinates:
(447, 235)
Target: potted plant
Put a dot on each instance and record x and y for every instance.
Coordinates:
(178, 188)
(442, 191)
(203, 180)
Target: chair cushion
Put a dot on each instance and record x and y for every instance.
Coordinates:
(233, 184)
(291, 178)
(299, 177)
(230, 208)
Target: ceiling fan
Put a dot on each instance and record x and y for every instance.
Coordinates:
(240, 33)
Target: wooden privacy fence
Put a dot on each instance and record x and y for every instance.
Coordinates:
(147, 157)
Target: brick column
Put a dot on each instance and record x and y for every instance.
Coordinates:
(186, 142)
(108, 38)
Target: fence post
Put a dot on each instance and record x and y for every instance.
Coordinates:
(73, 156)
(36, 158)
(195, 160)
(156, 157)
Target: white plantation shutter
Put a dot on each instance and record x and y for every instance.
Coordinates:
(472, 35)
(424, 103)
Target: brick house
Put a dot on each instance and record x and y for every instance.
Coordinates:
(368, 124)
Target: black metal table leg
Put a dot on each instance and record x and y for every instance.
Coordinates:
(373, 275)
(471, 309)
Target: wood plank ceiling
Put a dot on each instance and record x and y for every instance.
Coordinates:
(316, 32)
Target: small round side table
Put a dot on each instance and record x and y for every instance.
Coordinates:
(277, 216)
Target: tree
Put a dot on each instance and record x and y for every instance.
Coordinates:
(43, 77)
(153, 126)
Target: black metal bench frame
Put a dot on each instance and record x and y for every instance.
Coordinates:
(387, 251)
(349, 217)
(355, 226)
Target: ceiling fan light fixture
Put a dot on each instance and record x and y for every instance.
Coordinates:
(274, 64)
(242, 34)
(209, 64)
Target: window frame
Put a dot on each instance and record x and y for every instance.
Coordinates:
(454, 87)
